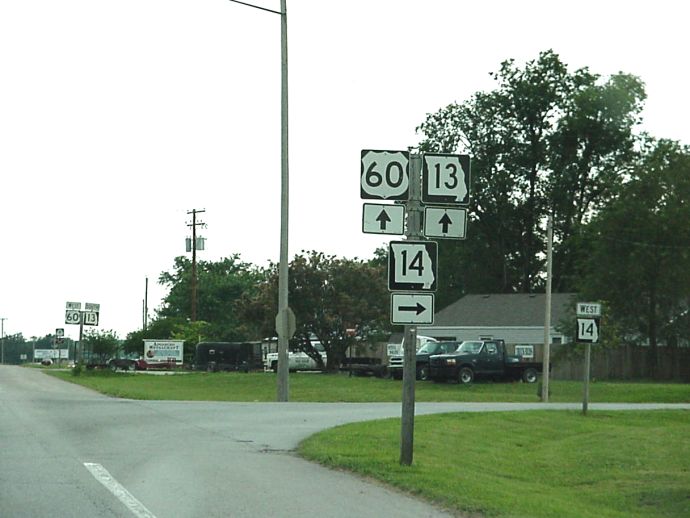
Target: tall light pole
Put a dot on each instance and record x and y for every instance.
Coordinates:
(283, 308)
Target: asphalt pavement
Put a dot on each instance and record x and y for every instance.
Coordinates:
(69, 451)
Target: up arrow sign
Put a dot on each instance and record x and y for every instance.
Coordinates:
(379, 218)
(383, 219)
(445, 222)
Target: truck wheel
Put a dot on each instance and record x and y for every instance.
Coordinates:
(423, 373)
(529, 375)
(465, 376)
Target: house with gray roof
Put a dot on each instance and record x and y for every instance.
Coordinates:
(517, 318)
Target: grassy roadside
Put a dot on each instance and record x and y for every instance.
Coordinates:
(309, 387)
(508, 465)
(528, 464)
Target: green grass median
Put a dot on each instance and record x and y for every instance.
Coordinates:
(308, 387)
(527, 464)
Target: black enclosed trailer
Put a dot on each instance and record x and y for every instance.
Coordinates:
(228, 356)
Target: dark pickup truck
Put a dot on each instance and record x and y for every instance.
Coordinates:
(482, 358)
(395, 368)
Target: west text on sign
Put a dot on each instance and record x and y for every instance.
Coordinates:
(588, 309)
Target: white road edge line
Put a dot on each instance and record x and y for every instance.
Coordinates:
(101, 474)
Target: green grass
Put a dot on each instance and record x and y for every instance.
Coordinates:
(528, 464)
(341, 388)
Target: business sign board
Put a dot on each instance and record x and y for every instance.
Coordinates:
(163, 351)
(40, 354)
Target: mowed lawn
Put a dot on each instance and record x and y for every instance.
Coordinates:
(539, 464)
(307, 387)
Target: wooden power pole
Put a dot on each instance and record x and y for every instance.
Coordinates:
(193, 225)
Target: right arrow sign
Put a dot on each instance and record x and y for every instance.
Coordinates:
(445, 222)
(412, 308)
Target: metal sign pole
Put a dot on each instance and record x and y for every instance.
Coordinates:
(585, 398)
(414, 230)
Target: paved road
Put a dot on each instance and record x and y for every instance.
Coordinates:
(68, 451)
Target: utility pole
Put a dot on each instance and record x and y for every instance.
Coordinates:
(194, 224)
(2, 338)
(547, 313)
(146, 305)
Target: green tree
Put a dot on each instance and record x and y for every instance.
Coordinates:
(329, 296)
(220, 286)
(101, 345)
(639, 248)
(543, 141)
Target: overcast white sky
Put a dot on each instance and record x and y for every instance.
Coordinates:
(116, 118)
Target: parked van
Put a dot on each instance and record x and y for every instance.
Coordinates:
(227, 356)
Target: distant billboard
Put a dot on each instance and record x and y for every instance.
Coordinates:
(40, 354)
(163, 351)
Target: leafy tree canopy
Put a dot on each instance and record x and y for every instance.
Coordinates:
(101, 345)
(545, 140)
(221, 285)
(329, 297)
(639, 247)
